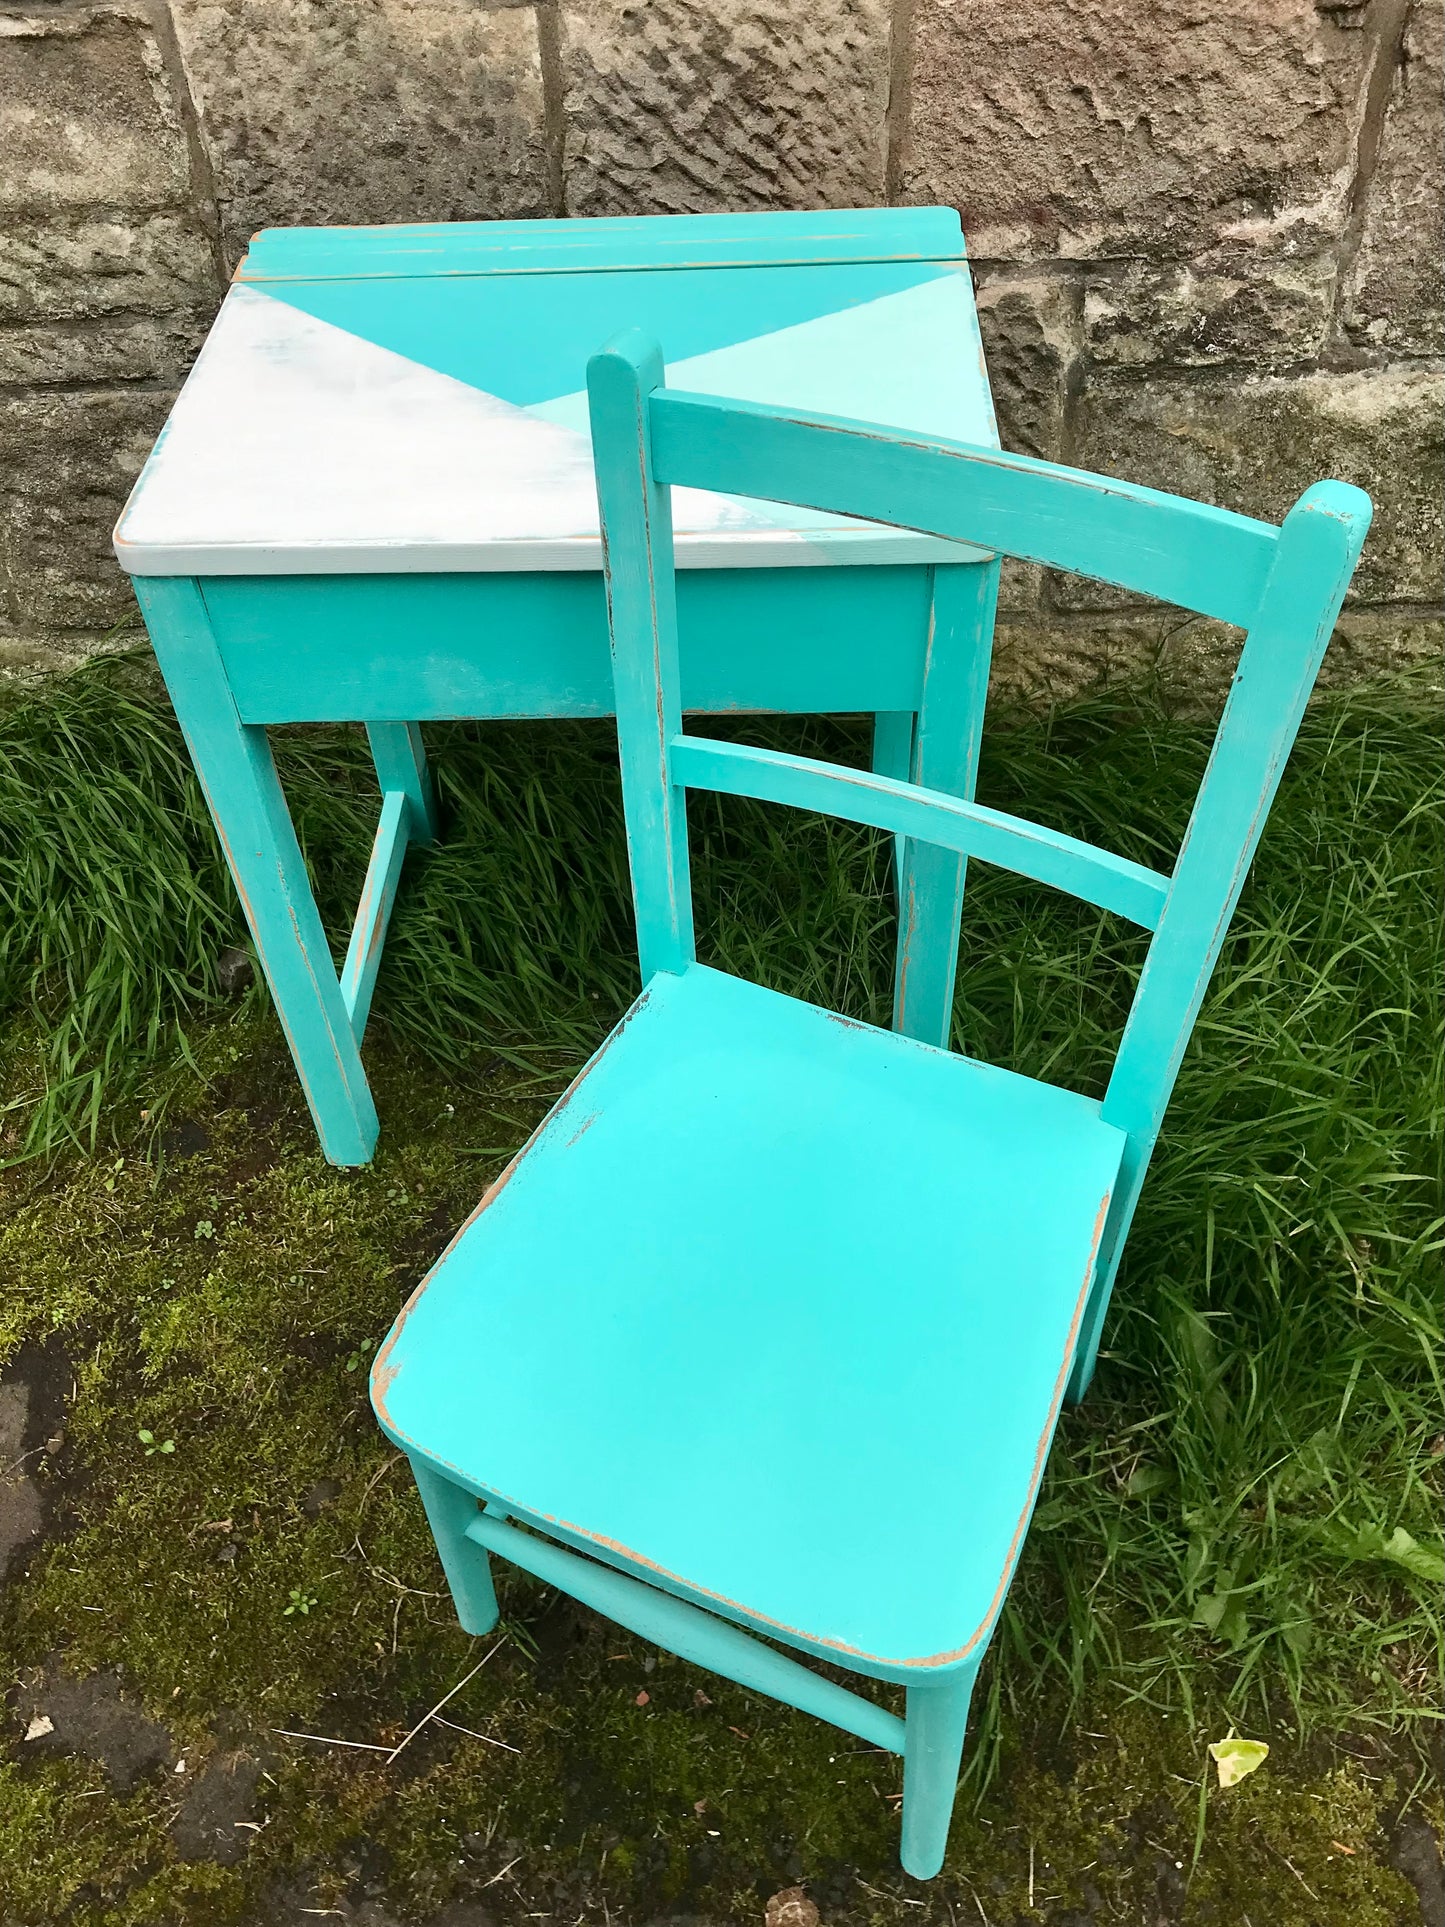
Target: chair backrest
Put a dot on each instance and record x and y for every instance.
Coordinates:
(1283, 585)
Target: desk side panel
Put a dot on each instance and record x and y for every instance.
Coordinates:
(425, 648)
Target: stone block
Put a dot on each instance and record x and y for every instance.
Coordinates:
(1268, 314)
(1030, 329)
(1031, 342)
(1019, 587)
(1256, 443)
(28, 656)
(1047, 658)
(362, 111)
(1091, 128)
(1369, 642)
(1394, 300)
(83, 268)
(1050, 657)
(144, 348)
(694, 106)
(67, 462)
(87, 119)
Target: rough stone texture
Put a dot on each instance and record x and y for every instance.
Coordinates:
(1268, 315)
(133, 349)
(99, 301)
(1206, 240)
(105, 277)
(682, 106)
(87, 120)
(1046, 657)
(360, 111)
(1187, 178)
(1031, 339)
(66, 463)
(1042, 658)
(1256, 444)
(1089, 128)
(26, 657)
(1394, 300)
(82, 269)
(1367, 643)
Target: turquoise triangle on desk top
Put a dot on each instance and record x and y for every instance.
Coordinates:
(527, 339)
(911, 359)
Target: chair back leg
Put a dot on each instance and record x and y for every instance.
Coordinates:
(449, 1511)
(932, 1749)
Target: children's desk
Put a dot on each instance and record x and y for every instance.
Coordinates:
(373, 502)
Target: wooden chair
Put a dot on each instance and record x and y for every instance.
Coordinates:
(766, 1329)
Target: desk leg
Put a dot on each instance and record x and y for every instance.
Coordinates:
(893, 756)
(243, 792)
(400, 760)
(893, 743)
(945, 757)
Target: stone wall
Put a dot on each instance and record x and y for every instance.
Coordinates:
(1206, 240)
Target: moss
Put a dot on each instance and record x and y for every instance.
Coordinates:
(61, 1830)
(223, 1288)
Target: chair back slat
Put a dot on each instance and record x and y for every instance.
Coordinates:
(1200, 558)
(1047, 856)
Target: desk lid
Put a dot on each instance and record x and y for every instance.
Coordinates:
(404, 399)
(591, 246)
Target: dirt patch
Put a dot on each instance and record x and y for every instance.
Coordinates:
(33, 1391)
(22, 1506)
(186, 1138)
(319, 1496)
(216, 1820)
(91, 1717)
(1415, 1852)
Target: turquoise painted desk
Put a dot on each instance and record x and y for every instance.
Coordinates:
(373, 502)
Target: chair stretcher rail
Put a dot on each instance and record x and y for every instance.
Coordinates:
(373, 913)
(688, 1631)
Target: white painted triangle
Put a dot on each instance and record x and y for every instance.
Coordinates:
(294, 432)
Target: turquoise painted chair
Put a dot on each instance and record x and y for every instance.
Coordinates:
(767, 1328)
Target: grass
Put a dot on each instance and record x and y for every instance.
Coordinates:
(1239, 1527)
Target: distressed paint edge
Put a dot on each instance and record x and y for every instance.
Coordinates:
(875, 546)
(383, 1372)
(935, 1662)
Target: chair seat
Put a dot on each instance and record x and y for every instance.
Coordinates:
(778, 1307)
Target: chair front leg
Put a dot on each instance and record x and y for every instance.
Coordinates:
(449, 1511)
(932, 1748)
